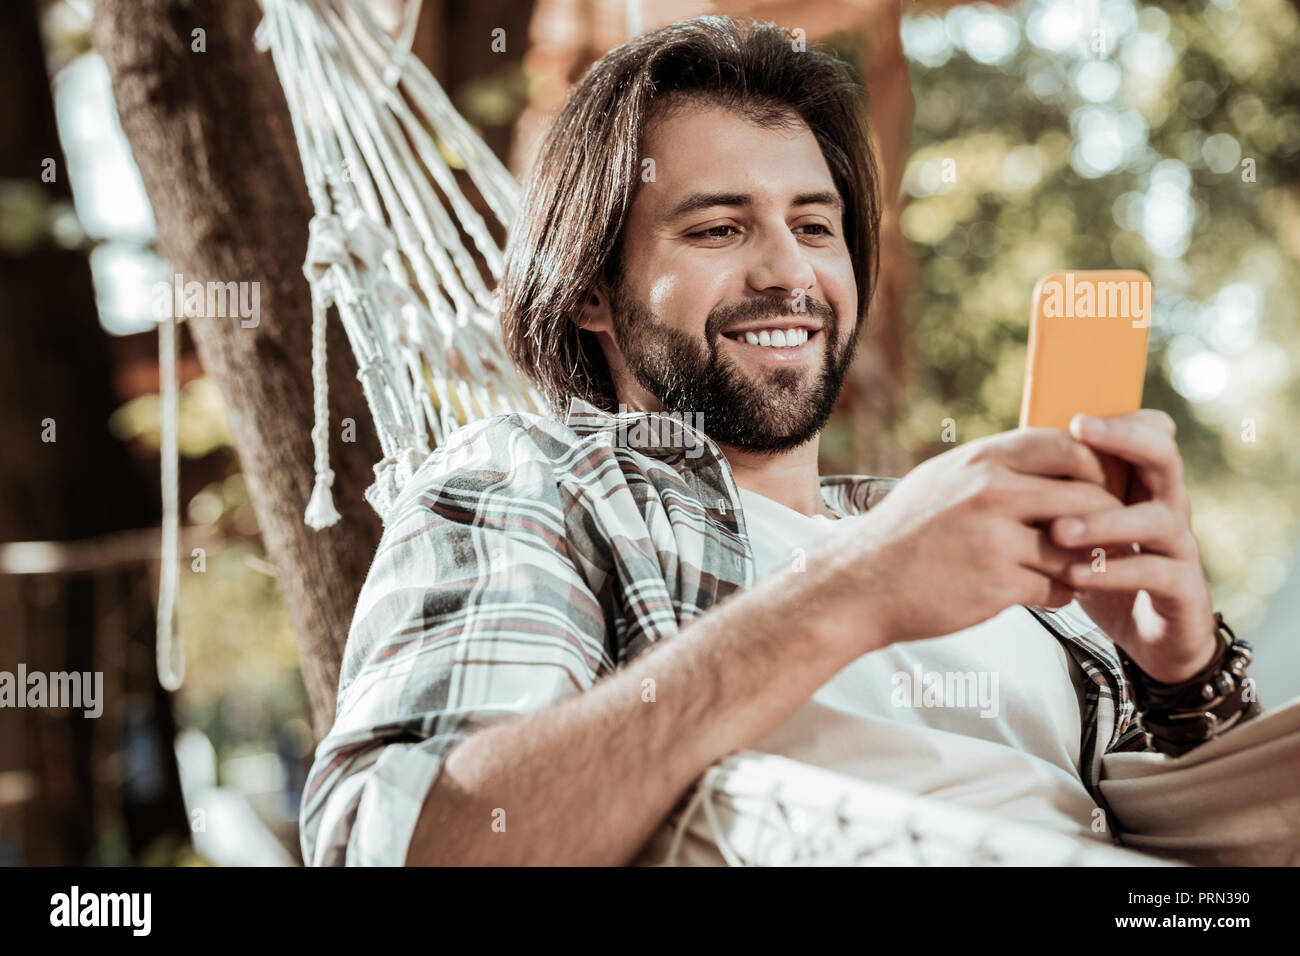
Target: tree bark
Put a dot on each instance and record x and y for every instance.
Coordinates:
(211, 134)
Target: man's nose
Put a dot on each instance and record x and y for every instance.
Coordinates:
(780, 263)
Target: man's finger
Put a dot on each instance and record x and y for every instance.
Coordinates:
(1043, 591)
(1035, 499)
(1043, 555)
(1149, 446)
(1049, 452)
(1151, 524)
(1166, 579)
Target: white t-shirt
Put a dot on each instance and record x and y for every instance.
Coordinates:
(988, 717)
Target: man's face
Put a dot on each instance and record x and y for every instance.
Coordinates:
(738, 237)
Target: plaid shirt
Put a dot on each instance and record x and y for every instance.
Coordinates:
(527, 559)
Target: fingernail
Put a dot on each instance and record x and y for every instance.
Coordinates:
(1086, 425)
(1071, 528)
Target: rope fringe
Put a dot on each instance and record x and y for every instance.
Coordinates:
(381, 145)
(320, 512)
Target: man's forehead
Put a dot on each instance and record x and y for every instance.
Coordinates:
(697, 153)
(701, 130)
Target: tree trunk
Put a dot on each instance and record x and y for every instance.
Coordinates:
(211, 134)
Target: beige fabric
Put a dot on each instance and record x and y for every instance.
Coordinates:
(1234, 801)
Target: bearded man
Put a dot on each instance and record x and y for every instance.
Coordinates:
(570, 617)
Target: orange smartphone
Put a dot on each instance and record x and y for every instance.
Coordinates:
(1087, 352)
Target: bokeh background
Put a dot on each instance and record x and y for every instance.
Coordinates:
(1016, 138)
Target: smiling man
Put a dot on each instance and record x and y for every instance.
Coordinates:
(734, 296)
(568, 620)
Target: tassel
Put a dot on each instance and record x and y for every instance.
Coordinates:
(321, 512)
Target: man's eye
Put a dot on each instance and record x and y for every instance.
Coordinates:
(717, 232)
(724, 232)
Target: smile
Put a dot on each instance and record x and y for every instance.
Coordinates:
(785, 345)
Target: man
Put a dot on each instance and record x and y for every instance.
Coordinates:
(570, 619)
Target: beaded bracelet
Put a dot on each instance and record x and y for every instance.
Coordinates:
(1178, 717)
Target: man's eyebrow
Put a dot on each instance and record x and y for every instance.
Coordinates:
(824, 198)
(697, 201)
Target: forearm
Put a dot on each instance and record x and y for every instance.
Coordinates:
(589, 780)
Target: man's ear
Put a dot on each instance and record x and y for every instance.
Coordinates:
(594, 312)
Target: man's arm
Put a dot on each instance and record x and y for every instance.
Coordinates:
(478, 647)
(589, 780)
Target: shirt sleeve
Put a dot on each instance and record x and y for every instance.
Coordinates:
(473, 612)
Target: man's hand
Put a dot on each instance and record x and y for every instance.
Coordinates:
(964, 535)
(1153, 602)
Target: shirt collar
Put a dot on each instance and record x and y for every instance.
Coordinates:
(663, 435)
(659, 434)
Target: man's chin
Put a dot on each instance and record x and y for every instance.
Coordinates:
(775, 433)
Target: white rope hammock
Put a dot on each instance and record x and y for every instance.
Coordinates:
(379, 141)
(753, 808)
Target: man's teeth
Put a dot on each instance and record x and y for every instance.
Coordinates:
(777, 338)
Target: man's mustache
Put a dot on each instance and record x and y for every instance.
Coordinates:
(724, 317)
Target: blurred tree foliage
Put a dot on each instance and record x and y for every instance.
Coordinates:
(1170, 146)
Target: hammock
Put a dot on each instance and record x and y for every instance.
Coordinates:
(379, 141)
(381, 145)
(1232, 801)
(760, 809)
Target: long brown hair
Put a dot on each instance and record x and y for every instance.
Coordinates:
(567, 237)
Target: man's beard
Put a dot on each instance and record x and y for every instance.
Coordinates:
(771, 410)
